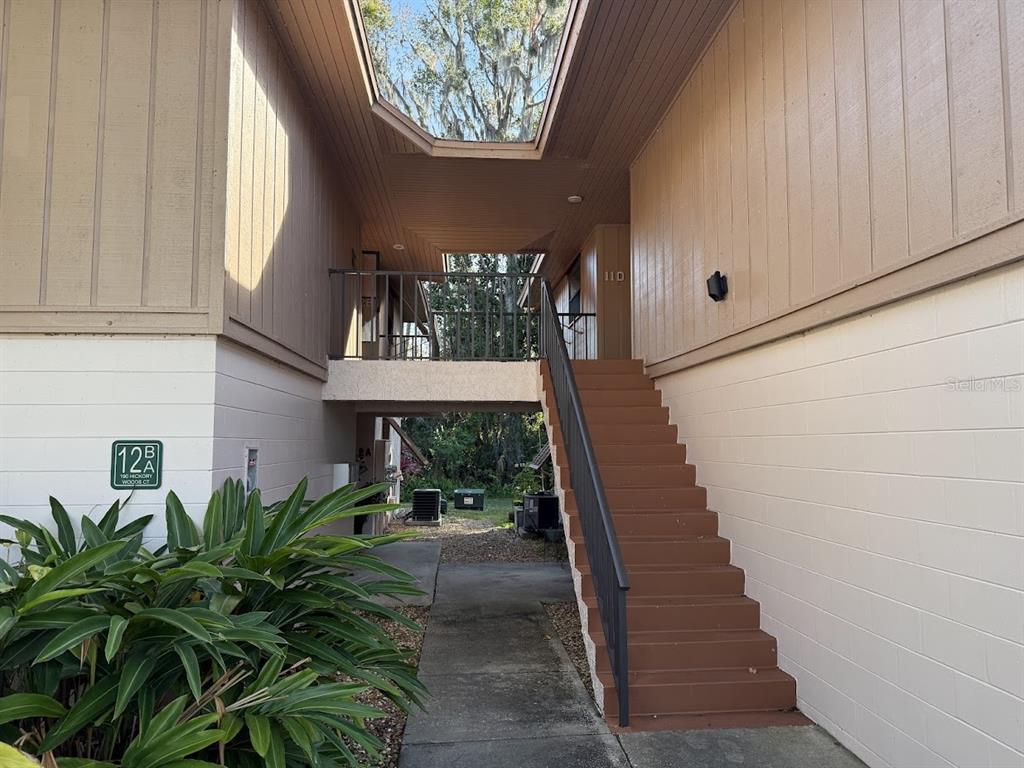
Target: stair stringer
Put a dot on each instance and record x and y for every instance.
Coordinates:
(550, 420)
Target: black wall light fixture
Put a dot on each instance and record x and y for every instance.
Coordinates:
(718, 286)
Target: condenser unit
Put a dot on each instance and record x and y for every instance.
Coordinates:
(426, 507)
(539, 513)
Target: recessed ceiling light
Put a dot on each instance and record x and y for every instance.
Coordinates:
(574, 199)
(398, 247)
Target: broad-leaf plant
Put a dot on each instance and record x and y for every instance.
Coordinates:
(243, 643)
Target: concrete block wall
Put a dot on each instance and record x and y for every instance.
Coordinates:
(259, 403)
(870, 475)
(65, 399)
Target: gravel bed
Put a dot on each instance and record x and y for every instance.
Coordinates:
(464, 540)
(390, 729)
(566, 618)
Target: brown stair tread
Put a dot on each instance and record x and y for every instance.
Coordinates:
(697, 650)
(674, 539)
(721, 675)
(683, 636)
(674, 601)
(652, 511)
(672, 569)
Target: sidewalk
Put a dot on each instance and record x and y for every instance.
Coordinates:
(504, 693)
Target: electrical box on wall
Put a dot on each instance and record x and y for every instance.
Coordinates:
(252, 469)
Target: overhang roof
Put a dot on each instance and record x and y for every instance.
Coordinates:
(629, 60)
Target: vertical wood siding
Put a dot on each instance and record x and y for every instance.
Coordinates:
(106, 156)
(288, 218)
(817, 145)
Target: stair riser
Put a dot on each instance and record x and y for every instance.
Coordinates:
(674, 552)
(656, 476)
(660, 618)
(693, 698)
(666, 524)
(712, 552)
(616, 397)
(663, 453)
(626, 415)
(711, 655)
(613, 381)
(605, 366)
(656, 498)
(691, 630)
(624, 434)
(648, 499)
(658, 584)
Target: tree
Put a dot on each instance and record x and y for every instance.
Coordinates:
(473, 319)
(470, 450)
(477, 70)
(475, 311)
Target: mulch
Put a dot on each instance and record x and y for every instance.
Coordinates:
(390, 728)
(566, 618)
(480, 541)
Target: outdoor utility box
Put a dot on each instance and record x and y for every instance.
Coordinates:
(540, 512)
(469, 498)
(426, 507)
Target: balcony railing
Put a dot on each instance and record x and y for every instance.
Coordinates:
(388, 315)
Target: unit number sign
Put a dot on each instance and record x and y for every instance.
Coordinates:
(136, 464)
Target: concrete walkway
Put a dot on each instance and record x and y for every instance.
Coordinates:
(504, 693)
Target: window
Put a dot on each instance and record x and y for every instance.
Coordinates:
(573, 278)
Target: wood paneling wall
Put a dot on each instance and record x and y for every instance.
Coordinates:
(611, 243)
(107, 161)
(288, 218)
(606, 250)
(819, 145)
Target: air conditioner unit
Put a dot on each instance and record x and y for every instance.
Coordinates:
(426, 507)
(540, 513)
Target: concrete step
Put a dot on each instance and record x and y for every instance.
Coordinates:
(619, 414)
(669, 692)
(669, 551)
(674, 475)
(651, 453)
(688, 612)
(681, 550)
(618, 397)
(688, 649)
(624, 434)
(580, 367)
(675, 580)
(606, 381)
(625, 499)
(665, 523)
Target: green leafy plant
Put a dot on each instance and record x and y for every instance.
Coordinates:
(246, 642)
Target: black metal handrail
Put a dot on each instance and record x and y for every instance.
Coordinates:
(607, 570)
(393, 315)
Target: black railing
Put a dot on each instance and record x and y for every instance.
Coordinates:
(606, 567)
(386, 315)
(579, 329)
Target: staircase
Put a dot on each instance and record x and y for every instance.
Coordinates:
(697, 655)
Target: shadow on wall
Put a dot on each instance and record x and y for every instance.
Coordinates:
(288, 218)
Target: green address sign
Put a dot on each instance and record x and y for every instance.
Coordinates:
(136, 464)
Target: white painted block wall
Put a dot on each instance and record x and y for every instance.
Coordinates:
(262, 404)
(870, 475)
(64, 400)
